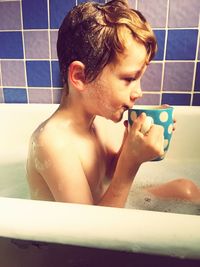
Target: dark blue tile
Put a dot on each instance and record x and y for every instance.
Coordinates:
(35, 14)
(181, 44)
(176, 99)
(15, 95)
(197, 79)
(196, 100)
(38, 73)
(56, 77)
(160, 36)
(58, 10)
(11, 45)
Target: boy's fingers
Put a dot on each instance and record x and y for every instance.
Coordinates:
(126, 123)
(137, 125)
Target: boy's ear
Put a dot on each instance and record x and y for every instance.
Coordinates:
(76, 75)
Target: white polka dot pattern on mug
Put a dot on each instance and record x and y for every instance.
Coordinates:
(170, 129)
(163, 116)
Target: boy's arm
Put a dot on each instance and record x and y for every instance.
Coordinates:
(136, 149)
(63, 172)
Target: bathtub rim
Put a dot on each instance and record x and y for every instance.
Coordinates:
(138, 231)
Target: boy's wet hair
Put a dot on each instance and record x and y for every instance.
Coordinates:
(95, 34)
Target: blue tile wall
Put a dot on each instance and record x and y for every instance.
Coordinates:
(38, 73)
(35, 15)
(29, 70)
(160, 36)
(11, 45)
(58, 10)
(181, 44)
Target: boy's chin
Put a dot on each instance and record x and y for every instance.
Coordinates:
(117, 117)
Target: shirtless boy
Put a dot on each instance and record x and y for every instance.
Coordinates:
(103, 52)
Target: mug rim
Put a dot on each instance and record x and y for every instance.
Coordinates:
(151, 107)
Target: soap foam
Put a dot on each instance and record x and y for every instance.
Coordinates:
(152, 174)
(140, 198)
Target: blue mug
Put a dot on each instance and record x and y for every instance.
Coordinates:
(160, 115)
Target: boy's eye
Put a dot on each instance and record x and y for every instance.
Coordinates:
(131, 79)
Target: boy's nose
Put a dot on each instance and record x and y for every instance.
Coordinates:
(136, 91)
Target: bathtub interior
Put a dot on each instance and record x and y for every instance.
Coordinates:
(37, 229)
(17, 124)
(181, 161)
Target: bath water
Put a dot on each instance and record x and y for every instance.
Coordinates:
(154, 173)
(13, 184)
(13, 181)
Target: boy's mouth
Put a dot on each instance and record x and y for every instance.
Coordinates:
(125, 107)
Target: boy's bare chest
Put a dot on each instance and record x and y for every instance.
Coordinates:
(93, 159)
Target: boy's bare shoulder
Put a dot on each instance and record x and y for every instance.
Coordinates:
(52, 135)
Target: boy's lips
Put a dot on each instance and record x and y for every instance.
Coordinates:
(126, 107)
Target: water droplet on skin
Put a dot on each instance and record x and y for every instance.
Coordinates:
(41, 166)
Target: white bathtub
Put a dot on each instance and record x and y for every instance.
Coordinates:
(134, 229)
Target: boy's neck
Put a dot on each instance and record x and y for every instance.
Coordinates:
(76, 113)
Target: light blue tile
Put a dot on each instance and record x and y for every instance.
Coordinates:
(132, 3)
(57, 93)
(54, 37)
(13, 73)
(184, 13)
(43, 95)
(178, 76)
(36, 44)
(10, 16)
(151, 81)
(149, 99)
(0, 74)
(1, 96)
(155, 11)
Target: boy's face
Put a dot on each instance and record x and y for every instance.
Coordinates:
(118, 86)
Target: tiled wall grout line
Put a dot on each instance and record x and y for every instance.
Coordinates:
(195, 62)
(165, 50)
(49, 41)
(155, 28)
(46, 59)
(23, 45)
(1, 86)
(136, 4)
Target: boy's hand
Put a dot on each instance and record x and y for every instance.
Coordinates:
(137, 147)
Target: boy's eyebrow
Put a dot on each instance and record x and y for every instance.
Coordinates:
(134, 72)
